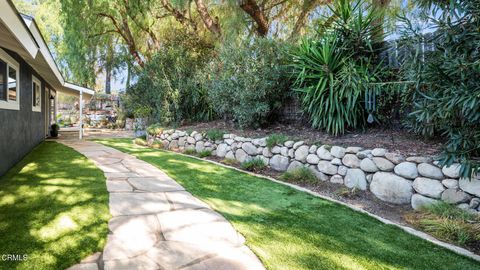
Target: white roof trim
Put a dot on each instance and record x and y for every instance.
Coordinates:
(79, 88)
(11, 20)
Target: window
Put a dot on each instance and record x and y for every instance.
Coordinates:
(36, 95)
(9, 82)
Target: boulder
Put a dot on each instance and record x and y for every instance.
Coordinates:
(323, 153)
(182, 141)
(428, 187)
(421, 202)
(230, 155)
(198, 137)
(229, 141)
(266, 152)
(379, 152)
(173, 144)
(364, 154)
(369, 178)
(337, 179)
(199, 146)
(430, 171)
(353, 150)
(342, 170)
(327, 168)
(284, 151)
(471, 186)
(454, 196)
(383, 164)
(452, 171)
(222, 150)
(368, 165)
(289, 144)
(336, 161)
(276, 149)
(420, 159)
(301, 153)
(319, 175)
(474, 203)
(265, 160)
(241, 155)
(395, 158)
(191, 140)
(450, 183)
(291, 153)
(294, 165)
(279, 163)
(391, 188)
(297, 144)
(249, 148)
(337, 151)
(260, 142)
(355, 178)
(312, 149)
(312, 159)
(351, 160)
(407, 170)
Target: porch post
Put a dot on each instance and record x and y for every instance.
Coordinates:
(80, 134)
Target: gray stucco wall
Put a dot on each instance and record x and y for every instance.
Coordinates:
(21, 131)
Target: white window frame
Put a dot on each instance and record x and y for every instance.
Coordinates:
(39, 83)
(10, 104)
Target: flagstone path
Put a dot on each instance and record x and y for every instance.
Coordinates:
(156, 224)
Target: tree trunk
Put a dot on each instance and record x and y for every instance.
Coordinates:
(252, 9)
(108, 76)
(379, 33)
(211, 24)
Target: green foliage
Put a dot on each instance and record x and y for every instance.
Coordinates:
(204, 153)
(157, 144)
(275, 139)
(155, 129)
(446, 96)
(189, 151)
(334, 71)
(248, 81)
(215, 134)
(253, 165)
(299, 175)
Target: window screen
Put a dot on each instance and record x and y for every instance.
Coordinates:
(3, 81)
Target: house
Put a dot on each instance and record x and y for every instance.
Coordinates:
(29, 83)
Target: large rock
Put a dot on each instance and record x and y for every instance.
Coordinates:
(267, 153)
(260, 142)
(471, 186)
(379, 152)
(199, 146)
(249, 148)
(279, 163)
(337, 179)
(294, 165)
(450, 183)
(430, 171)
(428, 187)
(327, 168)
(301, 153)
(313, 149)
(342, 170)
(421, 202)
(297, 144)
(407, 170)
(452, 171)
(336, 161)
(455, 196)
(337, 151)
(323, 153)
(230, 155)
(284, 151)
(383, 164)
(313, 159)
(355, 178)
(191, 140)
(420, 159)
(241, 155)
(289, 144)
(353, 149)
(351, 160)
(368, 165)
(276, 149)
(319, 175)
(222, 150)
(395, 158)
(391, 188)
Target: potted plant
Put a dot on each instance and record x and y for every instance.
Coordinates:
(54, 130)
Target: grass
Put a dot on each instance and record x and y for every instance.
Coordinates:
(140, 141)
(190, 151)
(449, 223)
(275, 139)
(253, 165)
(289, 229)
(53, 208)
(299, 175)
(215, 134)
(204, 153)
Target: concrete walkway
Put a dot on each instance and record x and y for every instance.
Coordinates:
(156, 224)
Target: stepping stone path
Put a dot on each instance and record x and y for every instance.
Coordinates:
(156, 224)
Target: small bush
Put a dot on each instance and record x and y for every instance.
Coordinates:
(230, 161)
(448, 222)
(157, 144)
(215, 134)
(253, 165)
(300, 175)
(204, 153)
(140, 141)
(189, 151)
(275, 139)
(154, 130)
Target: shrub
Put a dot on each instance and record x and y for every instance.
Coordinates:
(446, 96)
(215, 134)
(140, 141)
(249, 81)
(253, 165)
(155, 129)
(299, 175)
(189, 151)
(230, 161)
(204, 153)
(275, 139)
(157, 144)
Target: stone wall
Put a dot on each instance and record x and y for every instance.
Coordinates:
(391, 177)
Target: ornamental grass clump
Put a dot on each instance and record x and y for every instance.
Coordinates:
(299, 175)
(253, 165)
(276, 139)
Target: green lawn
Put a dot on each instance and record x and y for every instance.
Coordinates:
(53, 208)
(289, 229)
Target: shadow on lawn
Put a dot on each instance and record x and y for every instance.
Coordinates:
(53, 208)
(294, 230)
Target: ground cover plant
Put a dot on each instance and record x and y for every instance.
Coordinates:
(276, 139)
(53, 208)
(299, 175)
(253, 165)
(289, 229)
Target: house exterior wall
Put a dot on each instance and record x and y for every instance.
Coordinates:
(21, 130)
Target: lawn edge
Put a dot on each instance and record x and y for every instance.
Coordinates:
(410, 230)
